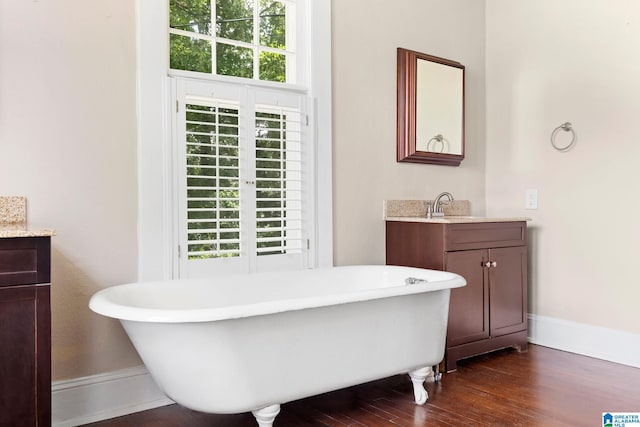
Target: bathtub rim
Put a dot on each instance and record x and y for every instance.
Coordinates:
(101, 302)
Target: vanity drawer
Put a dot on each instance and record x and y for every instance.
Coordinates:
(25, 260)
(460, 237)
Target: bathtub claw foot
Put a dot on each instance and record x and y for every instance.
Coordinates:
(417, 378)
(437, 375)
(266, 416)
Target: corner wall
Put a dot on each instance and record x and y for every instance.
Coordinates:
(550, 62)
(68, 143)
(366, 35)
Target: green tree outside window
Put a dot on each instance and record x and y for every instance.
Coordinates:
(196, 37)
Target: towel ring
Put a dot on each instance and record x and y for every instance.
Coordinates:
(438, 138)
(567, 127)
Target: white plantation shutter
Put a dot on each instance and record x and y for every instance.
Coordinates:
(243, 179)
(278, 180)
(282, 171)
(213, 171)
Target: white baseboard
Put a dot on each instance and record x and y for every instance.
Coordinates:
(594, 341)
(100, 397)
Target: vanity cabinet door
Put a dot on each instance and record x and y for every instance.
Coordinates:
(494, 302)
(469, 305)
(17, 367)
(508, 290)
(25, 332)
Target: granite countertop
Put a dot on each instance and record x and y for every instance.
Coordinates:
(454, 219)
(455, 211)
(13, 219)
(10, 230)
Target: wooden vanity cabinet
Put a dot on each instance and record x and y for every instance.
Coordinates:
(490, 312)
(25, 332)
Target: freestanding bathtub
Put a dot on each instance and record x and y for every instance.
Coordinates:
(252, 342)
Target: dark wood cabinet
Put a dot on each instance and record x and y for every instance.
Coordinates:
(491, 311)
(25, 331)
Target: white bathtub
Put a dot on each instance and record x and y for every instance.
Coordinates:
(251, 342)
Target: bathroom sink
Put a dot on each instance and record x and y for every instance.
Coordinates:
(452, 219)
(456, 218)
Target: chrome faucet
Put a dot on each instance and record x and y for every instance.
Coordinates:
(437, 203)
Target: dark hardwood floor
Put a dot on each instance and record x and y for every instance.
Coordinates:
(540, 387)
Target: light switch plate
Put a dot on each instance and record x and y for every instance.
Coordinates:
(531, 199)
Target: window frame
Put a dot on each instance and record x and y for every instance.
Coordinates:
(157, 253)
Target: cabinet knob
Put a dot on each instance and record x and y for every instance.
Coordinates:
(489, 264)
(494, 264)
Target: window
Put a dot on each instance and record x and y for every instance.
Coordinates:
(163, 205)
(244, 178)
(240, 149)
(253, 39)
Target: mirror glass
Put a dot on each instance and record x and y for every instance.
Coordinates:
(430, 109)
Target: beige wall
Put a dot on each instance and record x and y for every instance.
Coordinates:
(549, 62)
(68, 143)
(366, 35)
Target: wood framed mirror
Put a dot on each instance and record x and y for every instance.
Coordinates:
(430, 110)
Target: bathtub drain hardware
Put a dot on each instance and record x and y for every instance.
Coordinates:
(414, 280)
